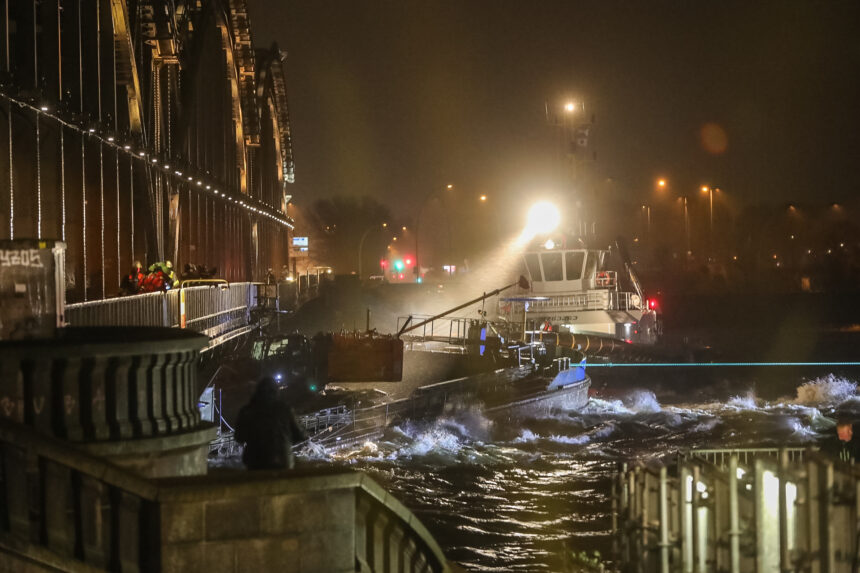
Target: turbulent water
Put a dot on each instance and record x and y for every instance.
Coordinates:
(502, 495)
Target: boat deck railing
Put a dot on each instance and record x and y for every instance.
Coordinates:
(597, 299)
(449, 329)
(737, 510)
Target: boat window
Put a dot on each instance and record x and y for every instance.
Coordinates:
(552, 266)
(533, 266)
(573, 264)
(591, 266)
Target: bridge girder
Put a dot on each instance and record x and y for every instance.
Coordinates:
(99, 98)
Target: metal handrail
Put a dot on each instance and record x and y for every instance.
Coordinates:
(203, 282)
(211, 311)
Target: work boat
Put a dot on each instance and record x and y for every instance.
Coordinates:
(433, 367)
(592, 292)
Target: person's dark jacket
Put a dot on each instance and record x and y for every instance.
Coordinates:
(268, 428)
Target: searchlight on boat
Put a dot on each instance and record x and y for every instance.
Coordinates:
(542, 218)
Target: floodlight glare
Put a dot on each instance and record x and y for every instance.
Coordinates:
(543, 217)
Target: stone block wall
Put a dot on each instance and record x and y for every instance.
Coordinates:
(307, 532)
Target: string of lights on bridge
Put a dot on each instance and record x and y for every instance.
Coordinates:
(202, 181)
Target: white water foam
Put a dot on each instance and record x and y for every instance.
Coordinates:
(642, 401)
(601, 432)
(601, 407)
(706, 425)
(526, 437)
(826, 391)
(745, 402)
(801, 431)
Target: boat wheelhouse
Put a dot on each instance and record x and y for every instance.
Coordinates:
(582, 291)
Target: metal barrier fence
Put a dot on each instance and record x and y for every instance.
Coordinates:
(763, 510)
(211, 310)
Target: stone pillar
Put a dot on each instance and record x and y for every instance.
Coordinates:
(37, 394)
(93, 397)
(15, 466)
(11, 390)
(168, 394)
(94, 528)
(58, 518)
(67, 400)
(118, 397)
(127, 529)
(141, 416)
(362, 523)
(156, 393)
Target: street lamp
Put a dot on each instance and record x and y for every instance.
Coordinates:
(661, 183)
(418, 225)
(710, 191)
(647, 209)
(361, 243)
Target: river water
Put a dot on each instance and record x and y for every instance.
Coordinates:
(504, 494)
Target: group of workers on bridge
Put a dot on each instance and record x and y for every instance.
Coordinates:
(159, 277)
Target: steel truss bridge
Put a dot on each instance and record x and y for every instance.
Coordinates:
(143, 130)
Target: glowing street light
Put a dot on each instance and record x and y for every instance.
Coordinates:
(661, 183)
(647, 209)
(483, 198)
(710, 191)
(569, 107)
(427, 198)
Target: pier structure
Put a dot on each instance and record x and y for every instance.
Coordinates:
(103, 467)
(738, 510)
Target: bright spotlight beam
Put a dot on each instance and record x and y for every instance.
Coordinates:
(542, 218)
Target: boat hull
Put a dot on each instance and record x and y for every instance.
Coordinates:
(513, 392)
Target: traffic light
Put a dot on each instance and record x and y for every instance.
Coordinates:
(398, 265)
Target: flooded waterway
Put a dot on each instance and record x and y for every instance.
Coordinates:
(505, 495)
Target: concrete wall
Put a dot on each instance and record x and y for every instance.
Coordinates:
(280, 532)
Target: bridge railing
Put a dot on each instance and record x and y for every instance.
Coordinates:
(212, 310)
(756, 509)
(64, 509)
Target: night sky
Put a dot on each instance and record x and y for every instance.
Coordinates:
(395, 98)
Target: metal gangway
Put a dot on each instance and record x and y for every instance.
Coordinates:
(738, 510)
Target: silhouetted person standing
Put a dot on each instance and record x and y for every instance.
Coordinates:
(269, 429)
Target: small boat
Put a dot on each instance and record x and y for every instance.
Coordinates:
(522, 391)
